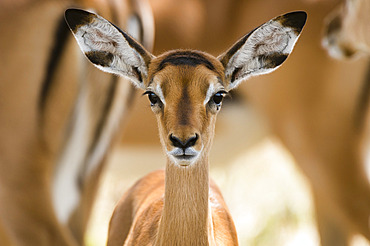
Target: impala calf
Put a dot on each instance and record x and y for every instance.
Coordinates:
(181, 206)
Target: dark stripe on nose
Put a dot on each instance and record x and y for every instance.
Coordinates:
(184, 109)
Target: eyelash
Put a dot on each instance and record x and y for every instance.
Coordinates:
(153, 98)
(217, 98)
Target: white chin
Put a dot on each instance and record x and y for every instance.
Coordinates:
(184, 160)
(184, 164)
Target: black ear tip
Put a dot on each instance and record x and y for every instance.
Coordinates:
(295, 20)
(77, 17)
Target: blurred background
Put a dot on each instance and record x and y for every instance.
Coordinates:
(290, 148)
(272, 129)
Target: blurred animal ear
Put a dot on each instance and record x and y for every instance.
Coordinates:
(107, 47)
(264, 49)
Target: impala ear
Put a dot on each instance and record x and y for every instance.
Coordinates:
(264, 49)
(107, 47)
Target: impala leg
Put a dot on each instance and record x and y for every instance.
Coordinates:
(343, 212)
(332, 231)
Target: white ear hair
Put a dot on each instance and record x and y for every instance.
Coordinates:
(264, 49)
(107, 47)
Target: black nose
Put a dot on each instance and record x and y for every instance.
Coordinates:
(183, 144)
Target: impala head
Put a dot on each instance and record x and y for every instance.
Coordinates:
(347, 29)
(185, 87)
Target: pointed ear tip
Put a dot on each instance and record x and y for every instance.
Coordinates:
(72, 13)
(302, 15)
(77, 17)
(295, 20)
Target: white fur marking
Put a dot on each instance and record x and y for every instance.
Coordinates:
(113, 119)
(159, 93)
(65, 193)
(213, 88)
(367, 159)
(133, 27)
(210, 92)
(188, 151)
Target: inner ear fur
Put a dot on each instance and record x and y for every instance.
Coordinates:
(108, 47)
(264, 49)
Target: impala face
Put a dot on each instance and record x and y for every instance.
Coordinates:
(185, 87)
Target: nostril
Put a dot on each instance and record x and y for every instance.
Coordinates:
(191, 141)
(183, 144)
(176, 141)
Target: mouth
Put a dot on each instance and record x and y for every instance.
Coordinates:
(183, 157)
(184, 160)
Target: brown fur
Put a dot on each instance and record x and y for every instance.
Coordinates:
(348, 28)
(184, 88)
(308, 104)
(32, 141)
(173, 208)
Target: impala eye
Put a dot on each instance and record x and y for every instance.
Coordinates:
(217, 98)
(153, 98)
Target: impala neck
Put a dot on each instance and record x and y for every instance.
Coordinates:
(186, 217)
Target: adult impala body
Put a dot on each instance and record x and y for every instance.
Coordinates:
(185, 89)
(58, 118)
(347, 35)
